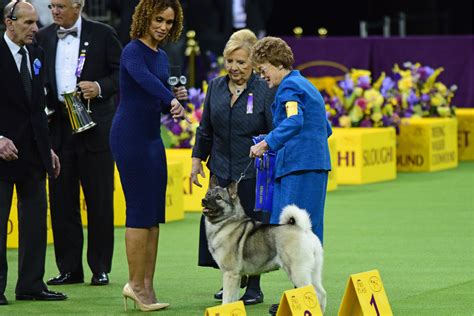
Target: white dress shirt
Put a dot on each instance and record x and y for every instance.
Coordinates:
(238, 13)
(67, 55)
(14, 49)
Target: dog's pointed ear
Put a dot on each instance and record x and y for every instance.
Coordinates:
(232, 189)
(213, 182)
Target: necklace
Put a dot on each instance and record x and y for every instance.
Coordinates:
(237, 89)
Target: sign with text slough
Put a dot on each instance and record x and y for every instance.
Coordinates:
(427, 144)
(365, 155)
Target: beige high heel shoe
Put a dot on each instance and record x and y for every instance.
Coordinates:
(127, 292)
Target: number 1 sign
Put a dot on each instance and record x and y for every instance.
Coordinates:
(365, 295)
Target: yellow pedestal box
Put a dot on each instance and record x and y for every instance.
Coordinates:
(12, 226)
(332, 178)
(174, 197)
(465, 133)
(192, 193)
(365, 155)
(427, 144)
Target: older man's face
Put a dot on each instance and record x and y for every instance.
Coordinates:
(24, 28)
(65, 12)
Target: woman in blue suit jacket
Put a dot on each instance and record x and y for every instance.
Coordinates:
(299, 136)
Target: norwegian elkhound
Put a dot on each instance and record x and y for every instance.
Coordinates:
(242, 246)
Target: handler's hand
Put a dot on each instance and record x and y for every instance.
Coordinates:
(197, 169)
(8, 149)
(258, 149)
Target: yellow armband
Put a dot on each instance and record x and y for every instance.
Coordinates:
(291, 108)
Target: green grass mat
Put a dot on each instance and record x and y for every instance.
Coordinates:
(418, 231)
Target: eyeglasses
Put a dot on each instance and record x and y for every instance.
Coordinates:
(60, 7)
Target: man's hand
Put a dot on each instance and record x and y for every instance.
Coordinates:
(197, 169)
(89, 89)
(8, 150)
(56, 164)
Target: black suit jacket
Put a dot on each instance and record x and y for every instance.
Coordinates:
(23, 122)
(213, 22)
(103, 50)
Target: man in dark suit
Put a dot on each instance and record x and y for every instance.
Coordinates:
(84, 54)
(215, 20)
(25, 152)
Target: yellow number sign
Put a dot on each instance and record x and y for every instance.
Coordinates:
(231, 309)
(301, 301)
(364, 296)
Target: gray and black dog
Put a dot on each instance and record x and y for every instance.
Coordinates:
(242, 246)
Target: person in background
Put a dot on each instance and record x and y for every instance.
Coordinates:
(136, 141)
(84, 54)
(299, 136)
(237, 107)
(25, 152)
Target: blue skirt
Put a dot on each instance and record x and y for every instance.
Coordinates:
(306, 189)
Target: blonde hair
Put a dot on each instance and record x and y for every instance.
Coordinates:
(273, 50)
(243, 39)
(144, 11)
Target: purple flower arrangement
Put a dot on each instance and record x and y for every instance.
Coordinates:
(411, 92)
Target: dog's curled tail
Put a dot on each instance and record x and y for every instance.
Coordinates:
(293, 215)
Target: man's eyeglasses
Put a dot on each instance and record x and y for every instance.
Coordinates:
(60, 7)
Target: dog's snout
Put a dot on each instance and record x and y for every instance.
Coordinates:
(203, 202)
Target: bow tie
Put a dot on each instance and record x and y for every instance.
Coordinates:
(62, 33)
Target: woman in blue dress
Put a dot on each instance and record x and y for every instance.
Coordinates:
(299, 136)
(136, 142)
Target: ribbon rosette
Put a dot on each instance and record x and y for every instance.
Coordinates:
(36, 66)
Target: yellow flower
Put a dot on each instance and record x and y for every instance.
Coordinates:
(376, 117)
(356, 73)
(374, 98)
(405, 83)
(345, 121)
(441, 88)
(437, 100)
(358, 91)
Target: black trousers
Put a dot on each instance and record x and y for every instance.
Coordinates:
(95, 172)
(246, 192)
(32, 206)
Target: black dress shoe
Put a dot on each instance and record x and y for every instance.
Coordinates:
(252, 297)
(66, 278)
(3, 300)
(45, 295)
(273, 309)
(218, 295)
(100, 278)
(243, 284)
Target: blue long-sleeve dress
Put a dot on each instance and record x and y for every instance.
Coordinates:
(135, 137)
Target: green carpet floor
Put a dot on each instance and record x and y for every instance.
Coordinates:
(418, 231)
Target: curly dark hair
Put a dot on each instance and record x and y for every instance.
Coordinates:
(144, 11)
(273, 50)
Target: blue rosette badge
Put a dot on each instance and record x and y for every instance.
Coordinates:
(36, 66)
